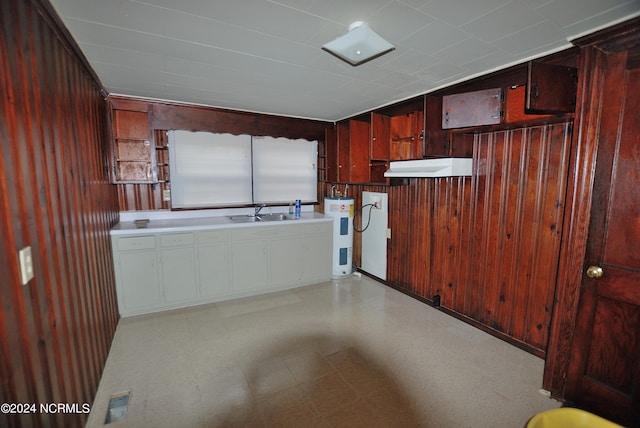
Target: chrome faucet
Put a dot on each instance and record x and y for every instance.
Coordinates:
(258, 208)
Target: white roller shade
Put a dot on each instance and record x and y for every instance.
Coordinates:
(209, 170)
(284, 170)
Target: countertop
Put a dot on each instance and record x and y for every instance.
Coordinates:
(129, 227)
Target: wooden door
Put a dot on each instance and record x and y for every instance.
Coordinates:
(604, 370)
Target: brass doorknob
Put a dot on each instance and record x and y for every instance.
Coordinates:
(594, 272)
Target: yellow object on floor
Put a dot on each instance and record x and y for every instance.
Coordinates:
(567, 417)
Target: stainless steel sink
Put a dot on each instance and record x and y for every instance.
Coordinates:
(243, 218)
(249, 218)
(274, 217)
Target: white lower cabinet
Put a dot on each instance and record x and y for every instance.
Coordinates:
(317, 254)
(213, 270)
(139, 278)
(214, 274)
(178, 267)
(178, 274)
(250, 270)
(286, 262)
(158, 271)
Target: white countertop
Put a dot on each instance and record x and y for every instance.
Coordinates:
(157, 225)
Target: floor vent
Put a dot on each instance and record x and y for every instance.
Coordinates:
(118, 406)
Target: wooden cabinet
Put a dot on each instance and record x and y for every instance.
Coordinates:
(331, 152)
(353, 151)
(406, 136)
(359, 150)
(551, 88)
(548, 89)
(133, 149)
(343, 152)
(514, 105)
(380, 132)
(379, 147)
(474, 108)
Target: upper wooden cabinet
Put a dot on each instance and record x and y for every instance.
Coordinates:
(359, 151)
(132, 125)
(353, 155)
(443, 123)
(380, 136)
(549, 90)
(133, 152)
(475, 108)
(406, 136)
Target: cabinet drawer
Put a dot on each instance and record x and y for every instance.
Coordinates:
(176, 239)
(137, 243)
(261, 232)
(212, 236)
(319, 228)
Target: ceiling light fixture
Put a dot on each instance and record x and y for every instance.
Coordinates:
(359, 45)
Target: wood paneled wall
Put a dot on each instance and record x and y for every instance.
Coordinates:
(488, 244)
(55, 332)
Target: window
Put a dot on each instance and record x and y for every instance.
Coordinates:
(211, 170)
(284, 170)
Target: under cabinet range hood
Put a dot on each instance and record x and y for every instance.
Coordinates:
(439, 167)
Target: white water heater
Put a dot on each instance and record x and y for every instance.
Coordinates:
(342, 212)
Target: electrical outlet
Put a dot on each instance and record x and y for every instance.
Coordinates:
(377, 202)
(388, 233)
(26, 265)
(166, 195)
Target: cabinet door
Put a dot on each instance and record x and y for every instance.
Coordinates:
(285, 261)
(331, 151)
(213, 270)
(138, 285)
(132, 125)
(400, 138)
(317, 257)
(471, 109)
(178, 274)
(133, 148)
(380, 137)
(436, 140)
(359, 151)
(551, 88)
(344, 150)
(250, 268)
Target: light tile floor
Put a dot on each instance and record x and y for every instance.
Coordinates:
(347, 353)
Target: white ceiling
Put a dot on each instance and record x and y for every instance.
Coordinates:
(266, 56)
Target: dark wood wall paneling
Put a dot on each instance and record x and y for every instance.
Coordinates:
(167, 116)
(596, 79)
(56, 331)
(488, 244)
